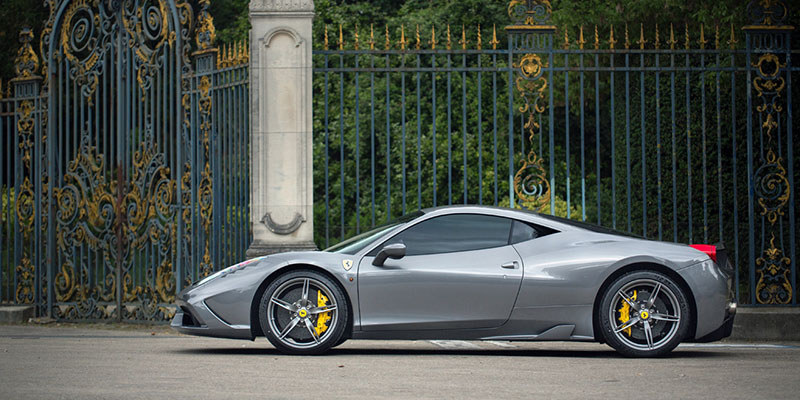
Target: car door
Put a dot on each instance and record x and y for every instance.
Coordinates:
(459, 272)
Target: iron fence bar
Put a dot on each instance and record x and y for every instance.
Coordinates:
(327, 162)
(433, 134)
(790, 159)
(688, 153)
(750, 184)
(464, 121)
(510, 122)
(613, 150)
(341, 145)
(494, 124)
(720, 221)
(403, 135)
(705, 158)
(388, 151)
(735, 179)
(17, 186)
(597, 131)
(480, 134)
(566, 135)
(628, 140)
(449, 136)
(358, 159)
(372, 136)
(583, 143)
(551, 127)
(658, 147)
(673, 151)
(419, 136)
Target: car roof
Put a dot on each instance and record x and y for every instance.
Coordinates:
(525, 215)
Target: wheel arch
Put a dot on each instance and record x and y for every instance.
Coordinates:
(255, 325)
(642, 266)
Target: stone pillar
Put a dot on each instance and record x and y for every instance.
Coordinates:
(281, 196)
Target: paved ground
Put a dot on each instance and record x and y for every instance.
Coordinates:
(143, 362)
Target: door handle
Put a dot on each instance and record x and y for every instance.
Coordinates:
(510, 265)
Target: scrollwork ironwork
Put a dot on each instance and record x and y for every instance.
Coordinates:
(771, 187)
(27, 62)
(530, 12)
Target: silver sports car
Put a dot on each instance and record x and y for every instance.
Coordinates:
(472, 273)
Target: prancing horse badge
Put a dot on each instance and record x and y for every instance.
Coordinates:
(347, 264)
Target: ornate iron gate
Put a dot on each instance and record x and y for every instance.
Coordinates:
(129, 159)
(680, 132)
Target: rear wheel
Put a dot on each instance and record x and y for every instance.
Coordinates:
(303, 312)
(644, 314)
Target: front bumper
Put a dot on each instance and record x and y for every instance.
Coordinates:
(194, 317)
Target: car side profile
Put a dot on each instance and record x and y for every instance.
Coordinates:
(472, 273)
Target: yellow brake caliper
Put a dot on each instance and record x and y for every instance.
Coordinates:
(323, 318)
(625, 312)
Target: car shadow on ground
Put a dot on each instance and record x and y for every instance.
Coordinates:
(571, 353)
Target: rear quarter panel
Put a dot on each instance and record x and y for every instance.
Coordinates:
(564, 271)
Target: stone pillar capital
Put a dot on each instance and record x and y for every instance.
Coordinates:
(262, 7)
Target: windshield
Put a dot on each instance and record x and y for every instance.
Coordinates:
(358, 242)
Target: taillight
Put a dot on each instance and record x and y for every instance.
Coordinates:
(711, 250)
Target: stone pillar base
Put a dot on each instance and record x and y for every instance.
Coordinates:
(265, 249)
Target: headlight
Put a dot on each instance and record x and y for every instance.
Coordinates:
(211, 277)
(228, 270)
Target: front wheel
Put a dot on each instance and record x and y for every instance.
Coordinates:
(303, 312)
(644, 314)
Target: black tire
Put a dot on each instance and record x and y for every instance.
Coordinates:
(667, 316)
(289, 322)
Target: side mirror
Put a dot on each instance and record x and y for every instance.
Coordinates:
(395, 251)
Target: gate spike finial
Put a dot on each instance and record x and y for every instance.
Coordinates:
(480, 43)
(371, 37)
(231, 55)
(356, 38)
(581, 42)
(325, 43)
(627, 40)
(388, 44)
(733, 40)
(341, 38)
(686, 37)
(716, 36)
(611, 41)
(566, 37)
(703, 40)
(417, 46)
(657, 43)
(494, 42)
(672, 40)
(432, 42)
(449, 43)
(596, 39)
(463, 40)
(403, 40)
(641, 41)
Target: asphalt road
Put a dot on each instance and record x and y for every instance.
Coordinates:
(42, 362)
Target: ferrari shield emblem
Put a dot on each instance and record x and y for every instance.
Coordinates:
(347, 264)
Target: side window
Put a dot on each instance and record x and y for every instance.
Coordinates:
(523, 231)
(451, 233)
